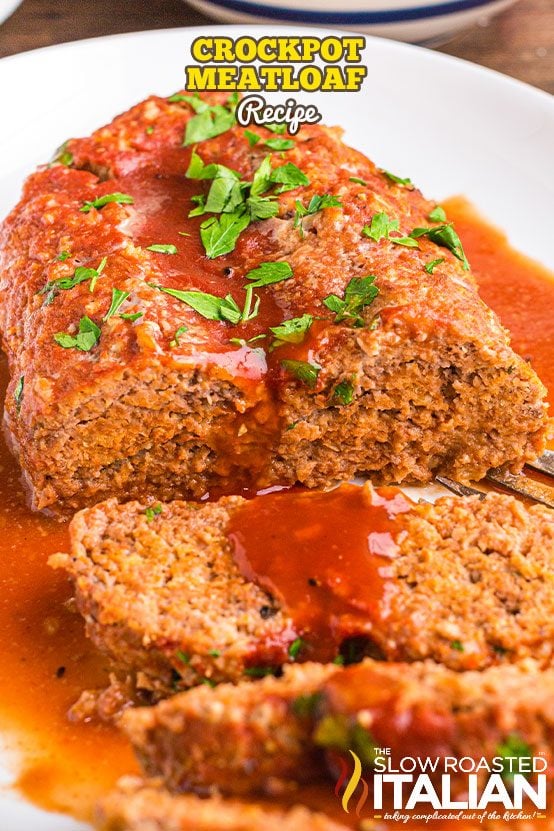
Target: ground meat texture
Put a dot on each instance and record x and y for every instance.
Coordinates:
(274, 728)
(471, 585)
(235, 738)
(433, 383)
(138, 806)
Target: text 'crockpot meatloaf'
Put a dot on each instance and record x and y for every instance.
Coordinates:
(271, 735)
(175, 591)
(187, 305)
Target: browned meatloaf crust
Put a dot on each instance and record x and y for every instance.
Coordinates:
(419, 709)
(472, 584)
(138, 806)
(427, 382)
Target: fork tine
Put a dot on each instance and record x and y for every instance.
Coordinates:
(459, 489)
(523, 486)
(545, 463)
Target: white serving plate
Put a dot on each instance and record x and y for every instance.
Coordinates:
(451, 126)
(414, 21)
(8, 7)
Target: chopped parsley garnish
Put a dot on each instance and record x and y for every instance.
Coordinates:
(260, 672)
(380, 227)
(226, 191)
(359, 293)
(214, 653)
(262, 207)
(118, 298)
(242, 342)
(209, 682)
(160, 248)
(305, 705)
(183, 657)
(288, 177)
(81, 275)
(432, 264)
(209, 121)
(62, 155)
(446, 236)
(358, 181)
(438, 214)
(132, 316)
(513, 748)
(151, 512)
(118, 198)
(87, 337)
(63, 256)
(219, 236)
(293, 330)
(316, 204)
(344, 392)
(18, 393)
(279, 144)
(149, 130)
(457, 645)
(252, 138)
(398, 179)
(295, 648)
(339, 733)
(178, 332)
(339, 660)
(268, 273)
(276, 127)
(216, 308)
(304, 371)
(408, 242)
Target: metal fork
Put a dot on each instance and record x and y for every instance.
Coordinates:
(520, 484)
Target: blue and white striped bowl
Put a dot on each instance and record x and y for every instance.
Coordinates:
(430, 22)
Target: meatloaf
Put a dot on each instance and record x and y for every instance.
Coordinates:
(313, 319)
(145, 806)
(418, 709)
(469, 583)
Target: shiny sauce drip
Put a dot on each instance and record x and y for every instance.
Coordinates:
(324, 556)
(64, 765)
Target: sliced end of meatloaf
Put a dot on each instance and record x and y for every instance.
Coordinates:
(470, 584)
(237, 738)
(161, 398)
(420, 709)
(145, 806)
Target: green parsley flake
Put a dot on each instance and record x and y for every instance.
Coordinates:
(407, 242)
(132, 316)
(344, 392)
(62, 155)
(80, 275)
(178, 332)
(359, 293)
(252, 138)
(398, 180)
(430, 266)
(118, 298)
(380, 227)
(304, 371)
(260, 672)
(118, 198)
(438, 214)
(160, 248)
(87, 337)
(149, 130)
(316, 204)
(295, 648)
(279, 144)
(457, 645)
(268, 273)
(288, 177)
(293, 330)
(305, 706)
(183, 656)
(153, 511)
(219, 236)
(18, 393)
(209, 121)
(63, 256)
(358, 181)
(513, 750)
(445, 236)
(216, 308)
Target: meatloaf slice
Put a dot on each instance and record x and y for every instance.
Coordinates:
(144, 806)
(121, 388)
(419, 709)
(470, 584)
(235, 738)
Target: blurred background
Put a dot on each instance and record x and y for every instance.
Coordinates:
(517, 39)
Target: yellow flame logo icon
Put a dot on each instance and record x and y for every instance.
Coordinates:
(355, 780)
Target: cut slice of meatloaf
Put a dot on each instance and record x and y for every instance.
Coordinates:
(420, 709)
(234, 738)
(469, 583)
(360, 361)
(144, 806)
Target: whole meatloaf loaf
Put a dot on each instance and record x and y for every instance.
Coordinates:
(188, 306)
(166, 593)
